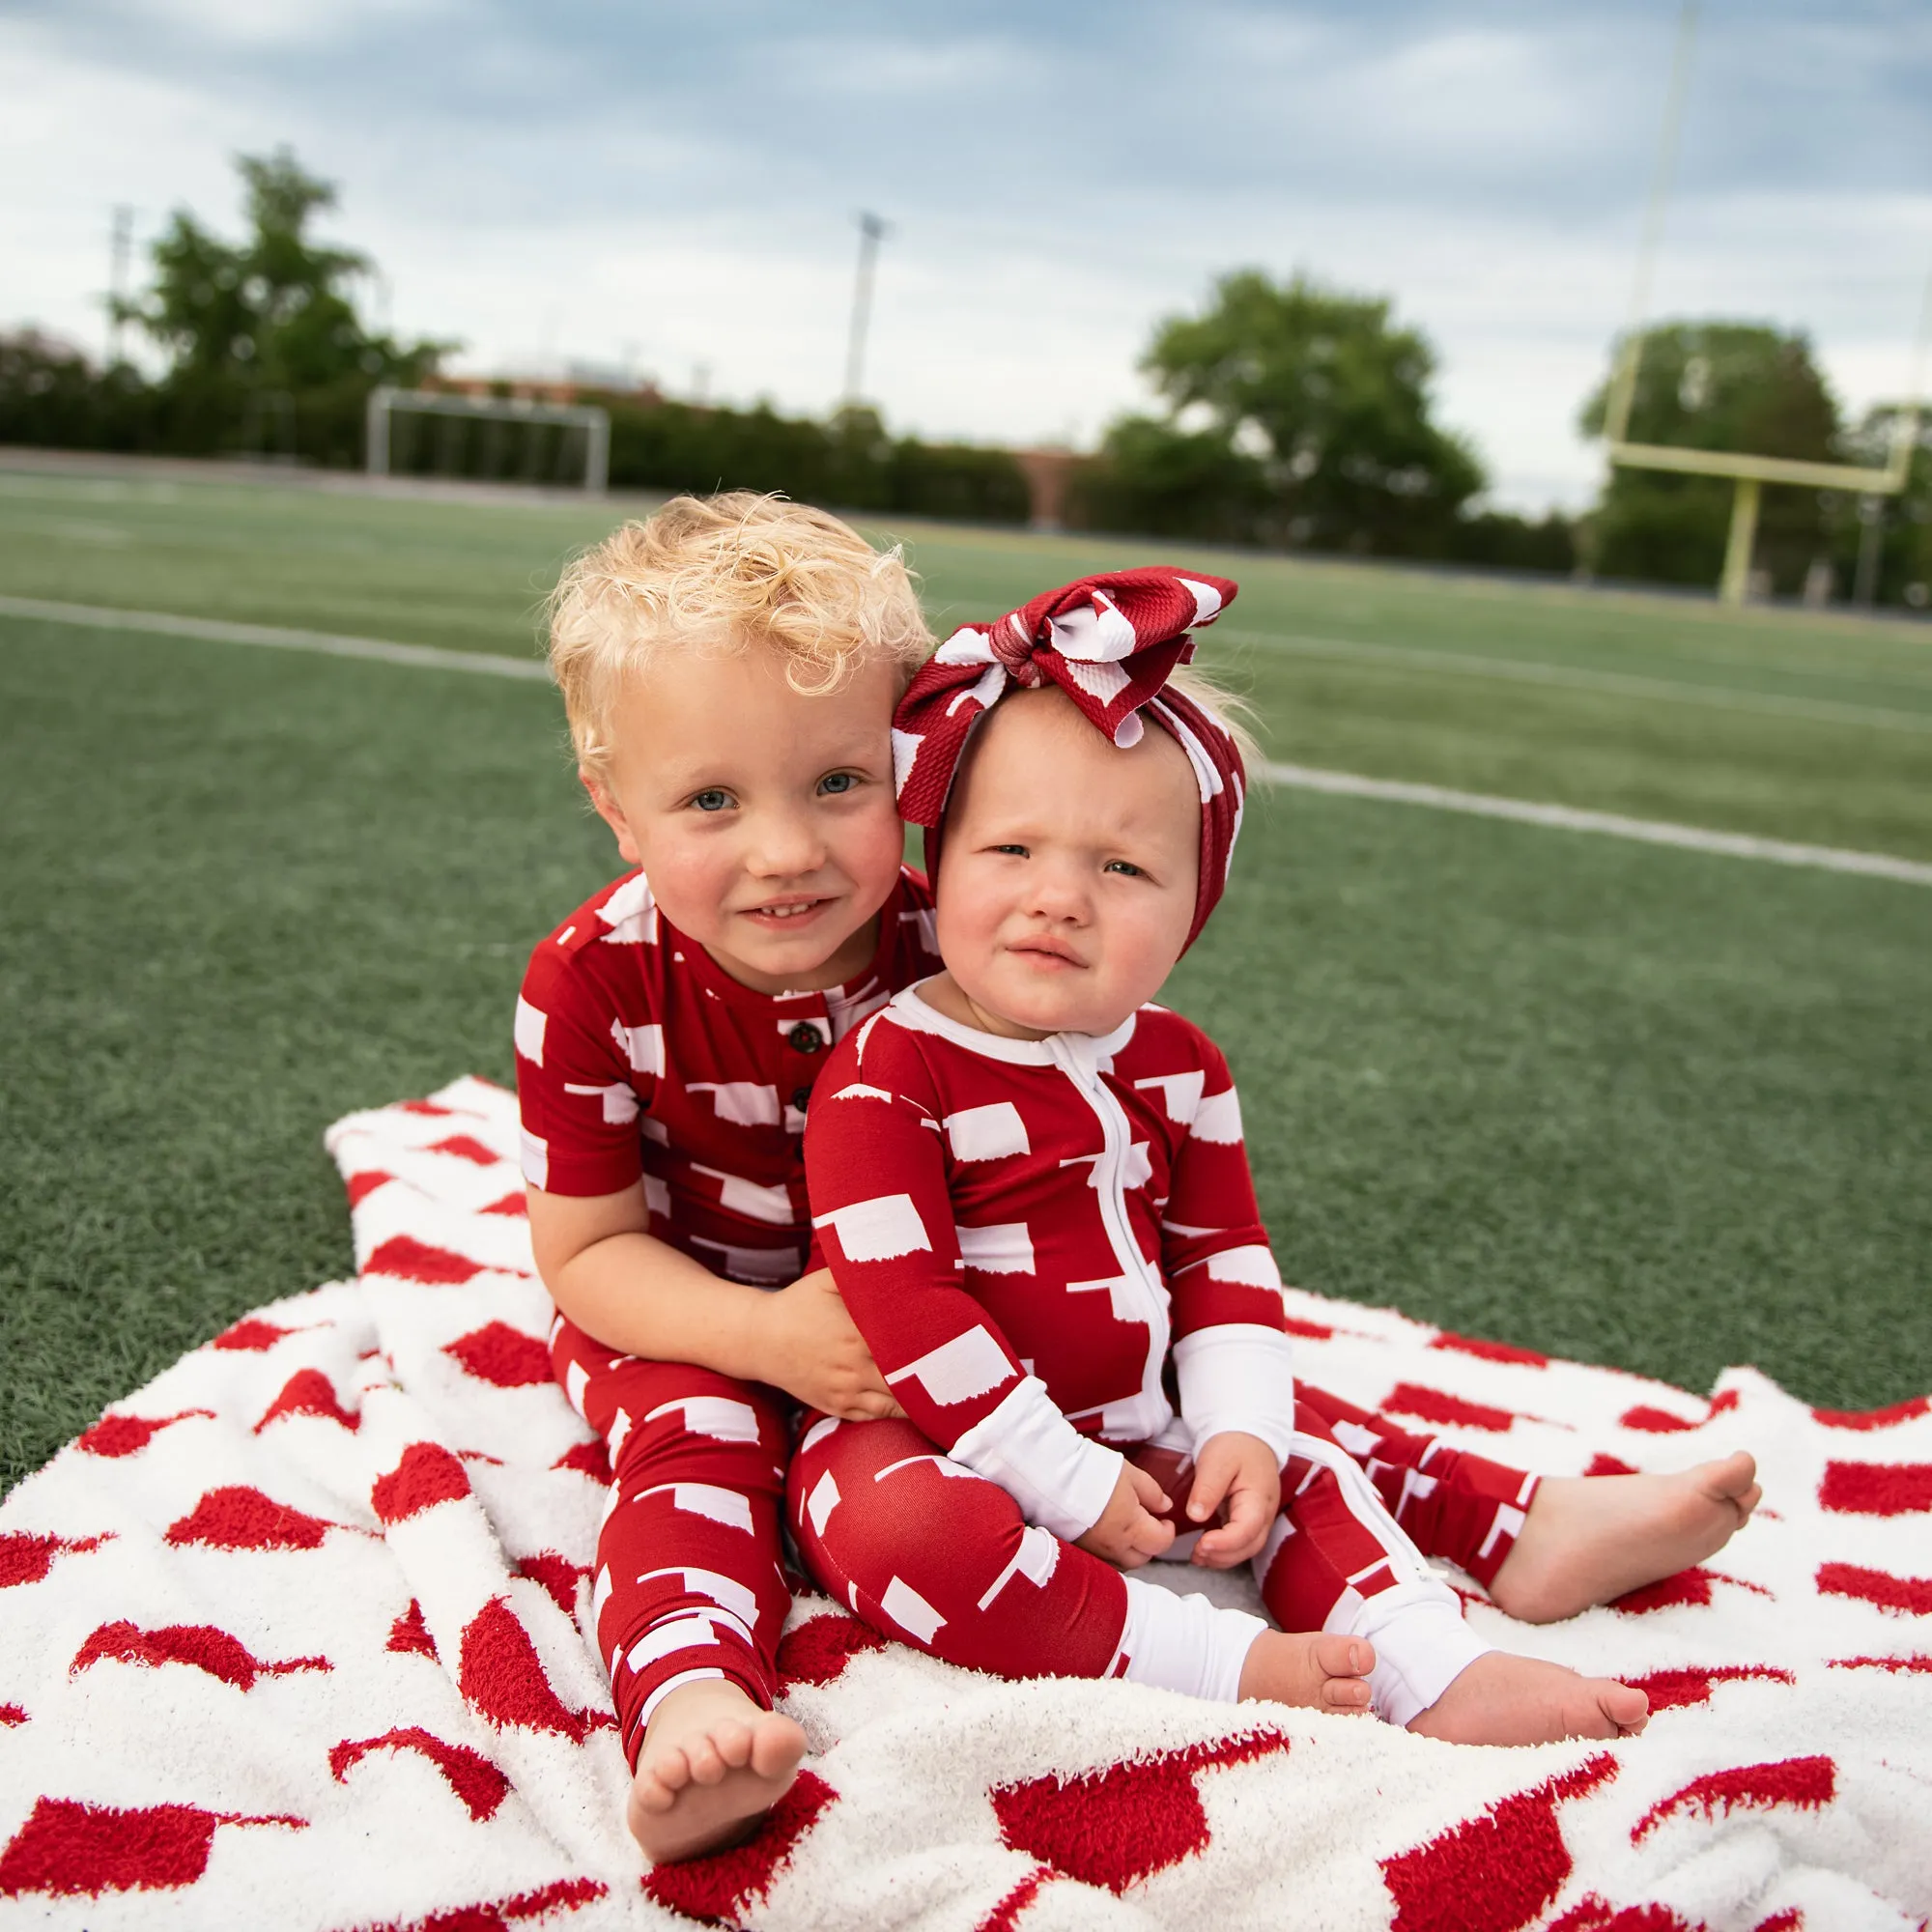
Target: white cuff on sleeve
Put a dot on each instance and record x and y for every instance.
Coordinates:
(1061, 1479)
(1237, 1375)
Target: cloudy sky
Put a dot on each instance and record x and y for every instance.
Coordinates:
(674, 188)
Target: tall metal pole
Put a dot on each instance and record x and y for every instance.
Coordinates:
(1616, 417)
(119, 248)
(871, 230)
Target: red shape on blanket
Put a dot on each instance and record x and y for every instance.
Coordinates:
(309, 1392)
(1119, 1824)
(410, 1635)
(467, 1773)
(1876, 1488)
(1912, 1594)
(1655, 1421)
(502, 1356)
(11, 1715)
(238, 1516)
(411, 1260)
(360, 1186)
(252, 1336)
(1006, 1915)
(820, 1648)
(202, 1646)
(1431, 1404)
(1489, 1352)
(588, 1459)
(467, 1146)
(67, 1847)
(716, 1889)
(558, 1574)
(503, 1680)
(499, 1914)
(1915, 1665)
(428, 1474)
(1609, 1465)
(1592, 1913)
(1808, 1782)
(26, 1558)
(1496, 1871)
(126, 1434)
(1690, 1587)
(1314, 1331)
(1909, 1410)
(516, 1203)
(1677, 1690)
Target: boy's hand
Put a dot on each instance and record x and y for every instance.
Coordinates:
(1239, 1470)
(1130, 1531)
(813, 1350)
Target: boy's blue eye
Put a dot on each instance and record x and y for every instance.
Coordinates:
(1123, 866)
(714, 799)
(1018, 851)
(834, 784)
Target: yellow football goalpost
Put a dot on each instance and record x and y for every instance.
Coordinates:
(1751, 473)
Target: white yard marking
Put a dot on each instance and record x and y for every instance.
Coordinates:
(1573, 818)
(1349, 784)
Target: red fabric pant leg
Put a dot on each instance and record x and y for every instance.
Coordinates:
(689, 1580)
(1451, 1504)
(937, 1557)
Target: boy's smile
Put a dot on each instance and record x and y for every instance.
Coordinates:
(764, 819)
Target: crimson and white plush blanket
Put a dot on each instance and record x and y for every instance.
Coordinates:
(293, 1638)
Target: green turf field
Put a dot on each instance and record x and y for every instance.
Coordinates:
(1650, 1107)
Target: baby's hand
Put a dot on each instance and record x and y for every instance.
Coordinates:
(813, 1350)
(1240, 1470)
(1130, 1532)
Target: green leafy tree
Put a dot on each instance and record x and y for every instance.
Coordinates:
(1904, 522)
(1311, 401)
(1743, 388)
(264, 340)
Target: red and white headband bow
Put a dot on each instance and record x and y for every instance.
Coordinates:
(1109, 643)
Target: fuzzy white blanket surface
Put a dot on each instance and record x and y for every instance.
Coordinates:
(295, 1636)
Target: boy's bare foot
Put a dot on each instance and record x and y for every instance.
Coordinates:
(1311, 1669)
(1501, 1699)
(1588, 1539)
(713, 1764)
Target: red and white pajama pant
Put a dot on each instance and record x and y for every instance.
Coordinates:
(690, 1582)
(934, 1555)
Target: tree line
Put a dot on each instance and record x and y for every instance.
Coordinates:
(1291, 416)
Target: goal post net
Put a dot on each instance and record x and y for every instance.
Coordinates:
(493, 438)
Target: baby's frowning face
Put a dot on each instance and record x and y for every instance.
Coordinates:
(1068, 873)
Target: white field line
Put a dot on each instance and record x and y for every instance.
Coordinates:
(217, 630)
(1577, 677)
(1571, 819)
(1349, 784)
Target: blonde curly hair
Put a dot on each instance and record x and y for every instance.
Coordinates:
(722, 574)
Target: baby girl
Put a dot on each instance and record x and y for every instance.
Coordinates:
(1031, 1187)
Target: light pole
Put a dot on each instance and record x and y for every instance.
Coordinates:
(119, 247)
(871, 231)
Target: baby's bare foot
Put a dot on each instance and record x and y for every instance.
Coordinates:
(713, 1764)
(1501, 1699)
(1588, 1539)
(1311, 1669)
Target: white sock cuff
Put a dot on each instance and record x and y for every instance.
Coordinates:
(1422, 1646)
(1186, 1643)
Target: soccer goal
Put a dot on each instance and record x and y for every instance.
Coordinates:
(500, 439)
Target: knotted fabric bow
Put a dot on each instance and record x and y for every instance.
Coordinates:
(1110, 643)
